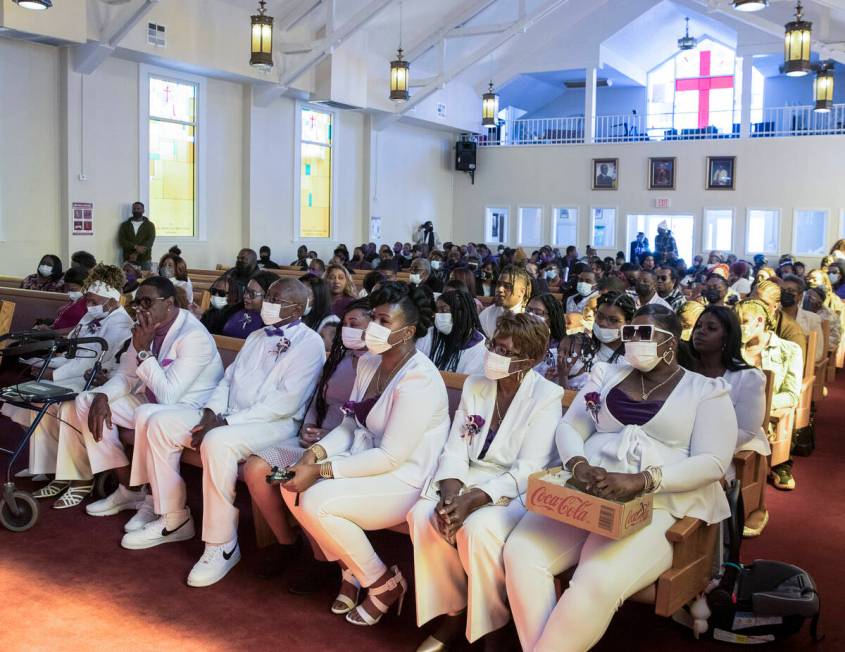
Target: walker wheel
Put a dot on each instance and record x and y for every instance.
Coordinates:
(27, 515)
(105, 484)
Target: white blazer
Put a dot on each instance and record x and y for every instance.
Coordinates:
(115, 328)
(490, 315)
(748, 394)
(264, 387)
(523, 444)
(692, 437)
(405, 430)
(185, 371)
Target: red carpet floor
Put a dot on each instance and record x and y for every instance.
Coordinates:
(67, 585)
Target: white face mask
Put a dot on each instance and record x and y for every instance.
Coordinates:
(95, 311)
(551, 273)
(605, 335)
(833, 276)
(74, 296)
(376, 337)
(45, 270)
(308, 261)
(218, 302)
(415, 279)
(353, 338)
(497, 366)
(642, 355)
(271, 313)
(584, 289)
(435, 264)
(443, 322)
(166, 272)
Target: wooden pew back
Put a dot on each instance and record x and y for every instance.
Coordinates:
(32, 305)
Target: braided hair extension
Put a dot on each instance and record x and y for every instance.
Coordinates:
(416, 304)
(336, 354)
(625, 302)
(446, 349)
(518, 273)
(557, 321)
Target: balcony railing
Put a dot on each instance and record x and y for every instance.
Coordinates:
(785, 121)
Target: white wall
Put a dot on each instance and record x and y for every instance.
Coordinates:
(784, 173)
(609, 101)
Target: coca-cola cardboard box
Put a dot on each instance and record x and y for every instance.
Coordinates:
(550, 495)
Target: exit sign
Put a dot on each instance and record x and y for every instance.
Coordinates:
(662, 202)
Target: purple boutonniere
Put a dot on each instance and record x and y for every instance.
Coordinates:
(472, 426)
(593, 401)
(281, 346)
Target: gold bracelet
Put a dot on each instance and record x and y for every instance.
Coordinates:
(326, 470)
(575, 466)
(319, 452)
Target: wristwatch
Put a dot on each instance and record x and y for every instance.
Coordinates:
(143, 355)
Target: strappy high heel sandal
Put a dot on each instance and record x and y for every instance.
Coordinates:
(55, 488)
(74, 496)
(346, 603)
(359, 615)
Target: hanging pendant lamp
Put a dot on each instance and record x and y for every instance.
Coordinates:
(261, 41)
(35, 5)
(796, 49)
(687, 42)
(823, 88)
(750, 5)
(489, 107)
(399, 71)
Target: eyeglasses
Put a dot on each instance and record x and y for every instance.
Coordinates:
(641, 332)
(252, 294)
(500, 350)
(218, 293)
(145, 302)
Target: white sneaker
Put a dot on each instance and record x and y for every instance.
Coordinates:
(145, 514)
(155, 533)
(215, 562)
(120, 500)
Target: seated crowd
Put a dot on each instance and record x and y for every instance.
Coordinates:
(340, 385)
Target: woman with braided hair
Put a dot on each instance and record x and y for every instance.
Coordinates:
(324, 414)
(456, 342)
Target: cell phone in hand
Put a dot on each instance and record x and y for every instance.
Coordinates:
(278, 476)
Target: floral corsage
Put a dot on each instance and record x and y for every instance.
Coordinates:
(593, 401)
(281, 346)
(472, 426)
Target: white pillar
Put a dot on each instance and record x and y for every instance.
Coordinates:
(745, 111)
(590, 105)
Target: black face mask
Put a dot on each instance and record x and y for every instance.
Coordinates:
(712, 295)
(137, 216)
(643, 289)
(788, 299)
(241, 266)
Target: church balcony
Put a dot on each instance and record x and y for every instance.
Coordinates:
(784, 121)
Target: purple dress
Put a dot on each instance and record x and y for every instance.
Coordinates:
(242, 323)
(629, 412)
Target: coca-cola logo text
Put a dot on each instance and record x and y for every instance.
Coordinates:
(571, 507)
(636, 516)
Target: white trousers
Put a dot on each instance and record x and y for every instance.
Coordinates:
(470, 574)
(336, 514)
(79, 457)
(608, 573)
(156, 461)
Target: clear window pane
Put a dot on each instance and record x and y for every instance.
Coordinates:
(604, 228)
(810, 230)
(315, 191)
(172, 101)
(496, 225)
(531, 226)
(718, 229)
(762, 236)
(316, 127)
(172, 178)
(565, 226)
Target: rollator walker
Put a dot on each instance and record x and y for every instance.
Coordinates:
(18, 508)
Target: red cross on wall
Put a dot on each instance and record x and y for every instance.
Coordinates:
(703, 85)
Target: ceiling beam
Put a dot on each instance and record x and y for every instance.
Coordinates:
(298, 13)
(479, 30)
(464, 12)
(520, 26)
(86, 58)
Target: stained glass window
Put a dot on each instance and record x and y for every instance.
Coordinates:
(172, 150)
(315, 174)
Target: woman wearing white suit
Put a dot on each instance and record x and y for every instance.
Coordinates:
(455, 342)
(374, 465)
(502, 432)
(648, 427)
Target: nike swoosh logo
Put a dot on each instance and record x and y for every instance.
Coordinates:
(228, 555)
(165, 532)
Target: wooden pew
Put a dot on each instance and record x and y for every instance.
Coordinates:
(32, 305)
(10, 282)
(822, 367)
(751, 468)
(802, 412)
(7, 312)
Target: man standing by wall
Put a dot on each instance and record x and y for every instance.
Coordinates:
(136, 237)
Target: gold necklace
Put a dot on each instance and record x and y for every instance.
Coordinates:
(379, 388)
(646, 394)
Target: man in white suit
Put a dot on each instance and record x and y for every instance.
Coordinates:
(171, 360)
(260, 402)
(513, 290)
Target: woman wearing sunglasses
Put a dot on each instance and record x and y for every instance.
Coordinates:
(502, 432)
(577, 353)
(370, 470)
(248, 319)
(646, 427)
(226, 300)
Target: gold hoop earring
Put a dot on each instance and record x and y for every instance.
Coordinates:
(671, 358)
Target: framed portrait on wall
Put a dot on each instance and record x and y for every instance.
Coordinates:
(721, 173)
(661, 173)
(605, 173)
